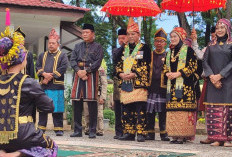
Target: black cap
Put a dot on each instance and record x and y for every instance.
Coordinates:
(121, 31)
(212, 29)
(88, 26)
(20, 31)
(160, 33)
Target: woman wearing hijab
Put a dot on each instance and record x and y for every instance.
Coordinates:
(18, 96)
(217, 64)
(180, 74)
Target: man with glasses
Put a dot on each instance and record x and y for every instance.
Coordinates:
(157, 91)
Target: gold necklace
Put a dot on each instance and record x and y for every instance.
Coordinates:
(173, 58)
(159, 52)
(221, 43)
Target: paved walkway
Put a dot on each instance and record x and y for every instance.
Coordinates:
(107, 141)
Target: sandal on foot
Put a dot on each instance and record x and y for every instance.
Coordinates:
(227, 144)
(216, 143)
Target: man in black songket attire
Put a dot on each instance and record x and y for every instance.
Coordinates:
(86, 59)
(116, 53)
(30, 63)
(18, 96)
(133, 71)
(51, 67)
(156, 102)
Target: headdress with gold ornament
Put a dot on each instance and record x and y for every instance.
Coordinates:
(132, 26)
(160, 34)
(21, 35)
(180, 32)
(12, 51)
(19, 30)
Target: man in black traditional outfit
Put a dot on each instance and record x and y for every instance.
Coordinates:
(116, 53)
(133, 70)
(51, 67)
(29, 69)
(86, 59)
(157, 93)
(18, 96)
(30, 63)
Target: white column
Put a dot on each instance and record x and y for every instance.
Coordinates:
(40, 45)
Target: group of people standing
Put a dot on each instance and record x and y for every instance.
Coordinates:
(156, 82)
(168, 83)
(147, 82)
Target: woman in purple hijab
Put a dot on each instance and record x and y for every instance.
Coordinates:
(217, 64)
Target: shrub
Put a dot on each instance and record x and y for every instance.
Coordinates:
(109, 114)
(110, 88)
(201, 120)
(68, 104)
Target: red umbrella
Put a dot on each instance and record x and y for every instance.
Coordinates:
(134, 8)
(192, 5)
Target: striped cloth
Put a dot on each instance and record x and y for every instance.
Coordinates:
(86, 90)
(156, 103)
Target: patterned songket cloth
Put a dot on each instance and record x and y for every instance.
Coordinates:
(181, 96)
(219, 101)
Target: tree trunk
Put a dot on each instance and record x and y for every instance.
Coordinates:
(118, 20)
(228, 9)
(114, 33)
(147, 30)
(183, 22)
(78, 3)
(59, 1)
(207, 34)
(208, 26)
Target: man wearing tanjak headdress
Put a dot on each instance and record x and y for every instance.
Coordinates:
(133, 70)
(51, 67)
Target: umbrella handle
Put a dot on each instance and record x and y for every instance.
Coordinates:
(193, 13)
(193, 19)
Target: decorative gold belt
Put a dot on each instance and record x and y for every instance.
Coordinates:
(25, 119)
(81, 64)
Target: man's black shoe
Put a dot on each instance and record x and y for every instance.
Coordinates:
(173, 142)
(165, 139)
(179, 142)
(76, 134)
(140, 138)
(149, 137)
(92, 135)
(99, 134)
(117, 136)
(127, 137)
(59, 133)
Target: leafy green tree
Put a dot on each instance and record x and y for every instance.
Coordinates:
(106, 27)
